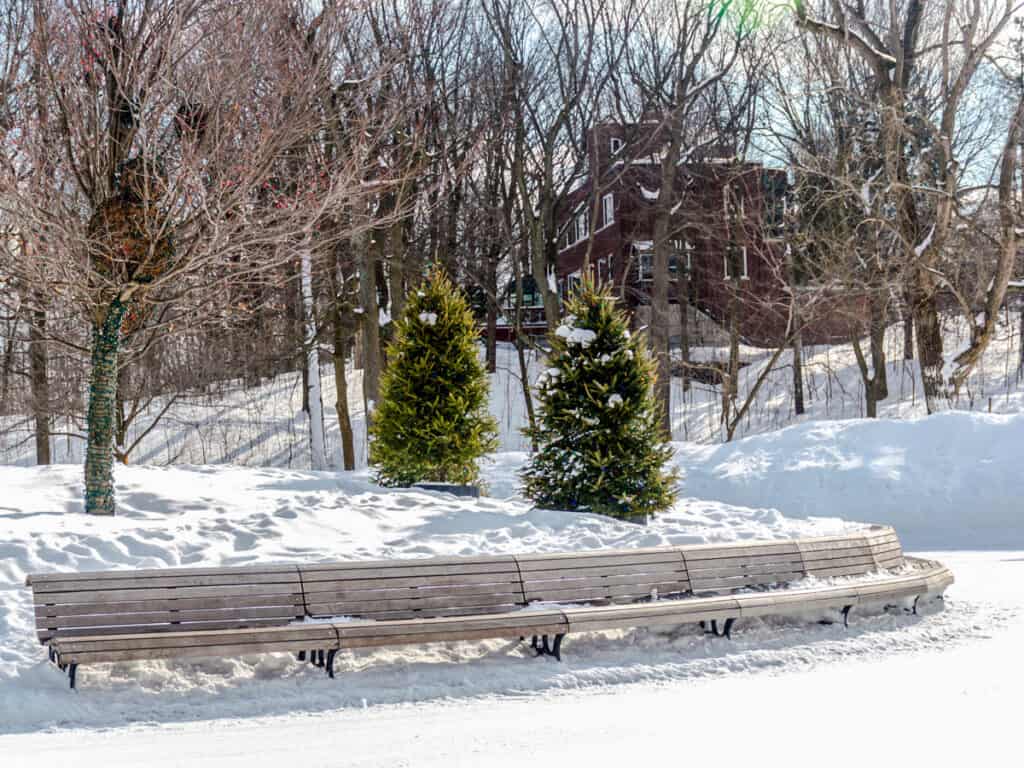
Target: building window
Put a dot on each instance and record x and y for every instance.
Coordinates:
(645, 266)
(607, 209)
(611, 271)
(572, 282)
(744, 273)
(616, 145)
(581, 226)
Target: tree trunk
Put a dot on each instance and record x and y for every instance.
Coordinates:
(317, 440)
(683, 298)
(929, 348)
(396, 273)
(908, 334)
(339, 356)
(348, 451)
(731, 379)
(524, 371)
(1020, 343)
(121, 428)
(880, 375)
(39, 369)
(8, 365)
(798, 373)
(658, 333)
(491, 297)
(99, 456)
(370, 327)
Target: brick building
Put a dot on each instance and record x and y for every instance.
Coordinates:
(725, 232)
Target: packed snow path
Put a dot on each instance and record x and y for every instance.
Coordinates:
(939, 690)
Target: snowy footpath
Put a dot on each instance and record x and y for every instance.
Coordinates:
(939, 689)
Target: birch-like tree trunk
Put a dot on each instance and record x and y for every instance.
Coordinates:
(370, 324)
(317, 443)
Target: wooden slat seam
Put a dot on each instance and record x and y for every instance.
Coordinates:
(302, 588)
(522, 585)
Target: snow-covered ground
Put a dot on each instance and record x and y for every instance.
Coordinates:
(225, 482)
(889, 680)
(942, 690)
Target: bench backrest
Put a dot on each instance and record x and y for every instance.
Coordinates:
(852, 555)
(401, 589)
(718, 569)
(618, 576)
(120, 602)
(171, 600)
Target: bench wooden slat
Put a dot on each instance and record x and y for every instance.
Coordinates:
(579, 579)
(404, 569)
(155, 628)
(124, 595)
(583, 593)
(166, 581)
(532, 563)
(191, 603)
(158, 617)
(352, 608)
(246, 571)
(324, 585)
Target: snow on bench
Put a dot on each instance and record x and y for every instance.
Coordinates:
(86, 618)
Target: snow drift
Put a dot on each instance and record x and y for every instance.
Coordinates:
(949, 481)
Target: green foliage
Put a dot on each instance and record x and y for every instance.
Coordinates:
(432, 422)
(600, 444)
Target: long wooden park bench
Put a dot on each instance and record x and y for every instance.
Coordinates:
(317, 610)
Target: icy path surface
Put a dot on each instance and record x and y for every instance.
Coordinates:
(936, 690)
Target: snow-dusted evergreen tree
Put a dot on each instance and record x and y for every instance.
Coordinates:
(601, 447)
(432, 422)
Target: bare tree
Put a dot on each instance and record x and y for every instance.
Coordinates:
(915, 50)
(174, 120)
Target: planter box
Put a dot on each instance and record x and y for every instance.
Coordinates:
(468, 491)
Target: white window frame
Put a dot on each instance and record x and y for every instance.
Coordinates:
(607, 209)
(608, 262)
(616, 144)
(581, 226)
(573, 279)
(745, 274)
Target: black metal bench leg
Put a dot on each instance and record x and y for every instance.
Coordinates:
(533, 643)
(320, 658)
(329, 664)
(301, 655)
(557, 650)
(726, 629)
(846, 615)
(547, 649)
(72, 669)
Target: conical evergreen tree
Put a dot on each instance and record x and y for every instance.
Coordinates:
(432, 422)
(600, 444)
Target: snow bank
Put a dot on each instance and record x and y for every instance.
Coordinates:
(950, 481)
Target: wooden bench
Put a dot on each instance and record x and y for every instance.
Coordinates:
(317, 610)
